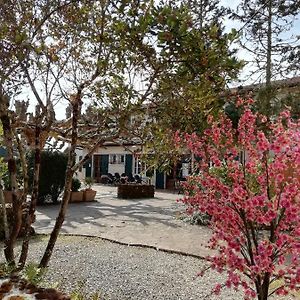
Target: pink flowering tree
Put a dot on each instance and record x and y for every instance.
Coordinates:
(249, 184)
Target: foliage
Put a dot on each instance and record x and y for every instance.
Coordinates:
(249, 185)
(3, 165)
(206, 12)
(76, 184)
(5, 269)
(202, 62)
(3, 168)
(88, 182)
(52, 174)
(33, 274)
(196, 218)
(74, 53)
(80, 294)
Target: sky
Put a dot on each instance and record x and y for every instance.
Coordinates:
(245, 55)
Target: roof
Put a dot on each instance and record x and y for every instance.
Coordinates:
(283, 83)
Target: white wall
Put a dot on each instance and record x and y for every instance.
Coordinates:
(80, 174)
(116, 168)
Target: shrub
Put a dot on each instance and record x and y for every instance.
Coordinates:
(52, 175)
(196, 218)
(76, 184)
(88, 182)
(249, 184)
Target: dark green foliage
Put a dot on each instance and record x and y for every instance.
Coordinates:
(52, 175)
(76, 184)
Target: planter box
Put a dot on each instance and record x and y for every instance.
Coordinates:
(135, 191)
(89, 195)
(76, 197)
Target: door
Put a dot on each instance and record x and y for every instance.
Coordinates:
(104, 164)
(88, 168)
(160, 180)
(96, 166)
(128, 164)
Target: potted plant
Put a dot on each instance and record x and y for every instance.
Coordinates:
(76, 195)
(89, 194)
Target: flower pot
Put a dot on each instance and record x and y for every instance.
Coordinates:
(89, 195)
(76, 196)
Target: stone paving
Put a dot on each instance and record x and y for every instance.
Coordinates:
(151, 222)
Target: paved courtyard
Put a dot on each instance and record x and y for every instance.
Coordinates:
(152, 222)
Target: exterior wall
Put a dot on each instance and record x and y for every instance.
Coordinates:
(120, 160)
(120, 168)
(80, 174)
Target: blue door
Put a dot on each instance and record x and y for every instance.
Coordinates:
(88, 168)
(128, 164)
(104, 164)
(160, 180)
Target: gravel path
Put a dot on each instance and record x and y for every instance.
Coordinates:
(121, 273)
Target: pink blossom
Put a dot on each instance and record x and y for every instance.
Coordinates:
(254, 204)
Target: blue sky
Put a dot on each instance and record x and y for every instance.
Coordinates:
(243, 54)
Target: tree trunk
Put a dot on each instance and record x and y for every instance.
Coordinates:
(34, 198)
(269, 46)
(76, 107)
(23, 166)
(12, 171)
(3, 209)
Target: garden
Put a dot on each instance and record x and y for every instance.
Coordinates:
(82, 75)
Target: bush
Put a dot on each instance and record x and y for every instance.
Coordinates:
(197, 218)
(76, 184)
(249, 184)
(88, 182)
(52, 175)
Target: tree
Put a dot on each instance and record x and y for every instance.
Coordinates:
(273, 47)
(23, 24)
(77, 53)
(202, 63)
(206, 13)
(249, 185)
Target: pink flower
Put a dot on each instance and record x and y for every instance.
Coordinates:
(253, 204)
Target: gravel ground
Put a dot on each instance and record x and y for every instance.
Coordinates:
(120, 272)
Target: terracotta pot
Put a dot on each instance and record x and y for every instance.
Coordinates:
(89, 195)
(76, 196)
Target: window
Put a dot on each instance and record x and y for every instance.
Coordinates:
(116, 159)
(139, 166)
